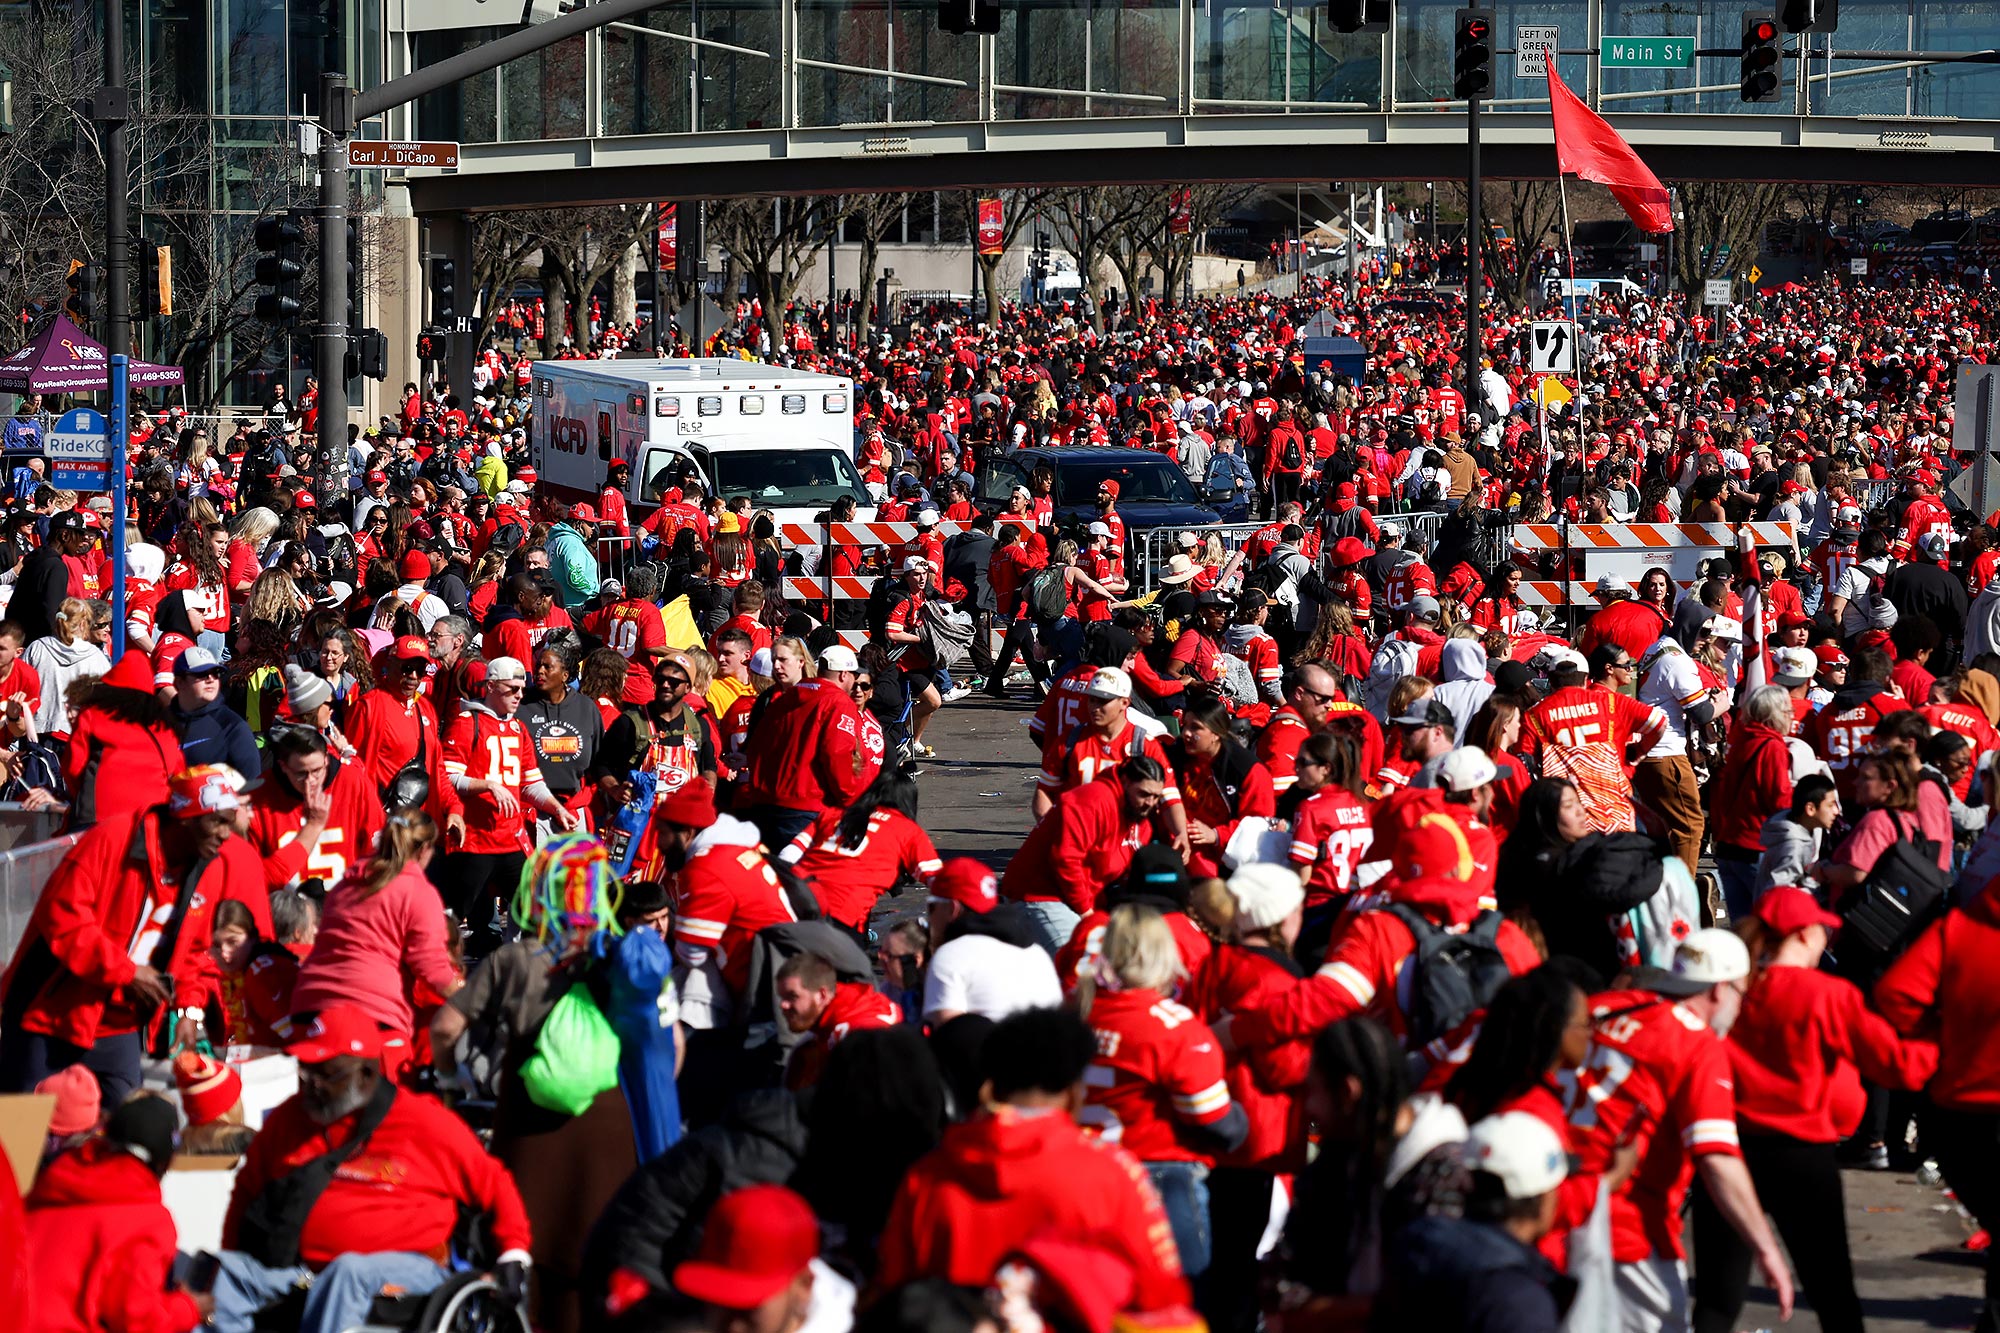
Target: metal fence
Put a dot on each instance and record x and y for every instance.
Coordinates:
(1156, 546)
(26, 867)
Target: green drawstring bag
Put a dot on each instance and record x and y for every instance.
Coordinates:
(576, 1055)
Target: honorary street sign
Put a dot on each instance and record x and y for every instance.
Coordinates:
(395, 156)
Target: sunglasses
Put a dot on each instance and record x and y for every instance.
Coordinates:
(410, 665)
(670, 680)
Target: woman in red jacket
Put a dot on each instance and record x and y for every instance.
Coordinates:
(121, 748)
(1947, 988)
(1266, 1083)
(1798, 1050)
(1221, 783)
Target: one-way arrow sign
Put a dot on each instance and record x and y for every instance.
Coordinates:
(1552, 347)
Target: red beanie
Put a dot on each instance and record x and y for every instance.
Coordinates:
(416, 565)
(693, 806)
(209, 1088)
(134, 671)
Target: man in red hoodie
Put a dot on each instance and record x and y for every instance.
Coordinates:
(804, 756)
(1084, 843)
(1024, 1168)
(121, 926)
(386, 1217)
(814, 1001)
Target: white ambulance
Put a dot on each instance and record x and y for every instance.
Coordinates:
(783, 437)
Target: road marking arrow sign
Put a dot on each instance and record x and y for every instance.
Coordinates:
(1552, 347)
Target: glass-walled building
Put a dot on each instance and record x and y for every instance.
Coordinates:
(719, 65)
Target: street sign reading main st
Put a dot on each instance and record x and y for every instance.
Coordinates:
(379, 154)
(1645, 52)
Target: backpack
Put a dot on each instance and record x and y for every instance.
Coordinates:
(1239, 683)
(948, 633)
(1046, 594)
(882, 599)
(1455, 976)
(1902, 895)
(508, 538)
(1290, 457)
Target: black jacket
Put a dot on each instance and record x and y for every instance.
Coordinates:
(655, 1220)
(1921, 588)
(39, 592)
(966, 558)
(1453, 1276)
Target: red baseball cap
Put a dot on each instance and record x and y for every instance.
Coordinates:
(304, 500)
(583, 513)
(340, 1029)
(411, 646)
(756, 1242)
(969, 883)
(1434, 847)
(377, 475)
(1786, 908)
(1830, 655)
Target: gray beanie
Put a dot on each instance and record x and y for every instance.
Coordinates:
(305, 691)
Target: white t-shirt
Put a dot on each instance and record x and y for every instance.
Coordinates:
(978, 974)
(425, 605)
(1669, 681)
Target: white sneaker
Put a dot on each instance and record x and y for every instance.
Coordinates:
(957, 692)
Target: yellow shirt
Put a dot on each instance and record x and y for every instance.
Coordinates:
(725, 691)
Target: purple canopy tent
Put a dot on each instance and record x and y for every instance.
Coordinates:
(64, 359)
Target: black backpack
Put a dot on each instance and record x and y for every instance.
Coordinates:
(1047, 595)
(1456, 975)
(1291, 457)
(1902, 895)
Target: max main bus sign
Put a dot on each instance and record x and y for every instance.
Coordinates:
(568, 435)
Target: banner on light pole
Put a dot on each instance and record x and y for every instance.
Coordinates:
(992, 227)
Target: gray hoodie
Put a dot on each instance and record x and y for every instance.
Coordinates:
(1465, 687)
(1788, 849)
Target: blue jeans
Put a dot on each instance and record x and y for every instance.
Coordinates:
(340, 1295)
(26, 1058)
(1739, 885)
(1183, 1188)
(1054, 923)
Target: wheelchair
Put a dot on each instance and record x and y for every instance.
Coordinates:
(468, 1302)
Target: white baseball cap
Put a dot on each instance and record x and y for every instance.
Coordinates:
(1469, 767)
(1100, 529)
(1109, 683)
(1792, 666)
(503, 669)
(1520, 1150)
(1609, 584)
(838, 657)
(1705, 958)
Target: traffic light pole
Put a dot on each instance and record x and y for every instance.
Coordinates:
(1475, 278)
(112, 111)
(330, 342)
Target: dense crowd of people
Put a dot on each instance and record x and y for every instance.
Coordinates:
(1387, 948)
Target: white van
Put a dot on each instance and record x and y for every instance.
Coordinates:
(783, 437)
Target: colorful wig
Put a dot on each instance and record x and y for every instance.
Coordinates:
(568, 883)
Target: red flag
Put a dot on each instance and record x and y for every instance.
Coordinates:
(1589, 149)
(1756, 666)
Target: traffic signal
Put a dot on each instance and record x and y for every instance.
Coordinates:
(156, 278)
(1810, 15)
(368, 355)
(689, 245)
(433, 346)
(81, 303)
(281, 241)
(1761, 42)
(1472, 60)
(1359, 15)
(963, 16)
(444, 290)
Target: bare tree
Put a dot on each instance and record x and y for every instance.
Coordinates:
(1532, 210)
(1018, 208)
(1090, 223)
(774, 242)
(871, 216)
(579, 247)
(1721, 224)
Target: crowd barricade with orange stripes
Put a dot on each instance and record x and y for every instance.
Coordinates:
(1628, 550)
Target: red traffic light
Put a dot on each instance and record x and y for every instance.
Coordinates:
(1763, 31)
(1478, 29)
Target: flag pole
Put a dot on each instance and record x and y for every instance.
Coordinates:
(1582, 465)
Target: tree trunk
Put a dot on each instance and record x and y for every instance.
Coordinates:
(864, 304)
(625, 287)
(555, 308)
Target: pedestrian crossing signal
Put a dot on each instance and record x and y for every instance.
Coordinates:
(969, 16)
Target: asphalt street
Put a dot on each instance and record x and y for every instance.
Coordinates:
(1911, 1267)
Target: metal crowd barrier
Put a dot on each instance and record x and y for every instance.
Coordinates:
(1156, 546)
(26, 866)
(1420, 529)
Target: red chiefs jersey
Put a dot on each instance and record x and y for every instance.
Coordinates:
(1833, 558)
(1924, 516)
(634, 629)
(1088, 754)
(1406, 581)
(1353, 588)
(1657, 1075)
(1157, 1067)
(1278, 747)
(1582, 733)
(210, 601)
(725, 895)
(1267, 1082)
(1086, 945)
(849, 880)
(480, 745)
(1065, 708)
(1970, 722)
(1331, 834)
(1843, 736)
(277, 815)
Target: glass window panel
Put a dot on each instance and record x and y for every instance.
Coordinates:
(646, 78)
(1076, 58)
(1674, 88)
(1424, 54)
(250, 59)
(254, 157)
(1968, 90)
(1866, 88)
(921, 49)
(738, 92)
(315, 46)
(542, 95)
(843, 32)
(176, 46)
(469, 111)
